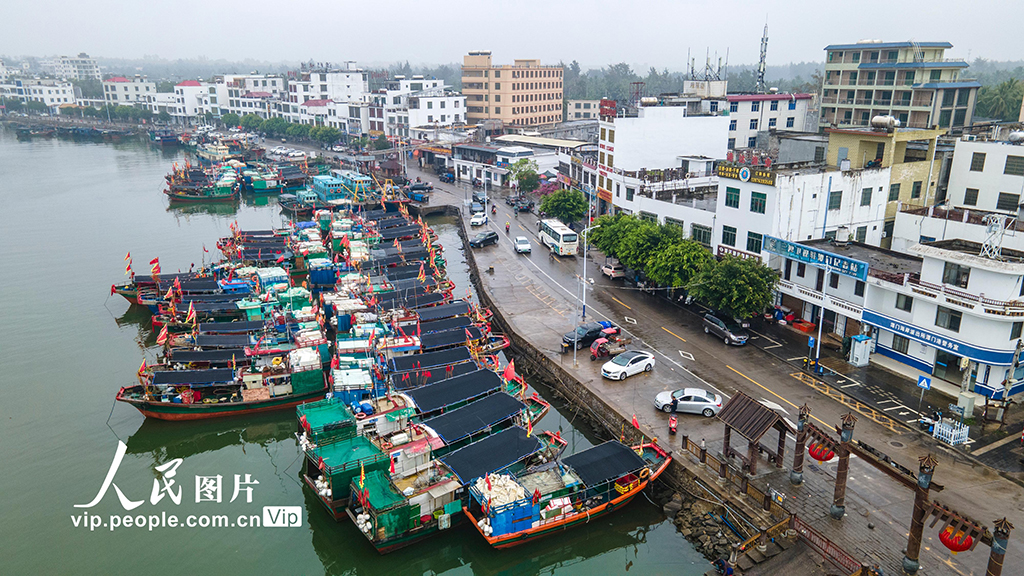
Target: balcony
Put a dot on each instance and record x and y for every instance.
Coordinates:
(887, 82)
(881, 102)
(830, 302)
(949, 296)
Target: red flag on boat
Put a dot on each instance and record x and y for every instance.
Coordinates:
(392, 464)
(155, 269)
(204, 249)
(362, 475)
(128, 268)
(154, 261)
(426, 374)
(510, 370)
(161, 338)
(142, 368)
(170, 293)
(191, 317)
(487, 480)
(529, 426)
(233, 367)
(128, 257)
(635, 423)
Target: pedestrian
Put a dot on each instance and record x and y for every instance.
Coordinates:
(675, 403)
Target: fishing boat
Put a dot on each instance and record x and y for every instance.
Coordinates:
(259, 180)
(215, 153)
(302, 203)
(210, 194)
(163, 137)
(512, 509)
(220, 392)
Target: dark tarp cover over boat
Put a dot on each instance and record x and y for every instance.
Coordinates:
(430, 360)
(215, 307)
(492, 454)
(223, 341)
(400, 232)
(459, 308)
(197, 298)
(214, 376)
(445, 324)
(416, 378)
(474, 417)
(231, 327)
(448, 338)
(604, 462)
(459, 389)
(164, 278)
(420, 301)
(403, 272)
(199, 285)
(185, 356)
(410, 282)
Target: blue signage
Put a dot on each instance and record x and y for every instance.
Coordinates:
(815, 257)
(810, 342)
(924, 382)
(956, 347)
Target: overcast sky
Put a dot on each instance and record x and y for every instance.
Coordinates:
(594, 32)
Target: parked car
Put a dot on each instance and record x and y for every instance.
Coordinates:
(480, 197)
(522, 245)
(447, 177)
(524, 206)
(421, 186)
(628, 363)
(478, 219)
(337, 148)
(484, 239)
(689, 401)
(476, 207)
(585, 334)
(613, 270)
(725, 328)
(512, 200)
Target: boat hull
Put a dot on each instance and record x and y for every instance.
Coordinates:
(232, 197)
(409, 538)
(336, 509)
(199, 411)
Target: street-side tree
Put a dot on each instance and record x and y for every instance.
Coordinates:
(251, 122)
(566, 205)
(274, 126)
(163, 116)
(524, 173)
(677, 263)
(381, 143)
(230, 119)
(298, 130)
(641, 238)
(606, 236)
(739, 287)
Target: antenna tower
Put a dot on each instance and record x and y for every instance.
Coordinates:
(760, 88)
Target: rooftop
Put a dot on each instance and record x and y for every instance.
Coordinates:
(257, 95)
(188, 83)
(872, 45)
(877, 258)
(316, 102)
(763, 97)
(967, 248)
(540, 141)
(117, 79)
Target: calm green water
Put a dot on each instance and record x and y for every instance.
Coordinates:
(72, 211)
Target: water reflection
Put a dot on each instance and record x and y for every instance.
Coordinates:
(167, 440)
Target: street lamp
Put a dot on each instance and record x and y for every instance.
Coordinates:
(585, 247)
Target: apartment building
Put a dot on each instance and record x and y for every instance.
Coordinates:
(193, 100)
(53, 93)
(522, 94)
(80, 67)
(323, 82)
(581, 109)
(417, 102)
(121, 91)
(752, 113)
(912, 81)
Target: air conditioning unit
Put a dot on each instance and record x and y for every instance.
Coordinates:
(970, 137)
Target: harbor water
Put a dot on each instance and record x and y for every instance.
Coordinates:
(72, 212)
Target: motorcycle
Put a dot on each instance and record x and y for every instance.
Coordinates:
(928, 424)
(673, 424)
(494, 209)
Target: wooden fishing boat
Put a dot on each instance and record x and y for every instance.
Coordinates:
(562, 494)
(212, 194)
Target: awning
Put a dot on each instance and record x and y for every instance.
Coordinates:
(475, 416)
(604, 462)
(436, 396)
(492, 454)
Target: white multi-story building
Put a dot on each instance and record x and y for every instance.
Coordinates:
(416, 102)
(80, 67)
(53, 93)
(121, 91)
(987, 175)
(352, 118)
(193, 100)
(751, 113)
(489, 163)
(326, 83)
(581, 109)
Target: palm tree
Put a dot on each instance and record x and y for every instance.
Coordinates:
(1002, 100)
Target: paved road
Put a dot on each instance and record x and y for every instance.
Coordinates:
(539, 296)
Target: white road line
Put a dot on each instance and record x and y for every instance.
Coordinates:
(777, 345)
(893, 407)
(687, 355)
(795, 358)
(630, 320)
(848, 385)
(884, 401)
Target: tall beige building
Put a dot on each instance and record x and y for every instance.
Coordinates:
(523, 94)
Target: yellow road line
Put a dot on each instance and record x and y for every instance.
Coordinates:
(521, 226)
(621, 302)
(774, 394)
(673, 333)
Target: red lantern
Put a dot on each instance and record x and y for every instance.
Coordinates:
(957, 542)
(820, 452)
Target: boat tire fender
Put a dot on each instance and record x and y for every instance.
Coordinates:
(645, 473)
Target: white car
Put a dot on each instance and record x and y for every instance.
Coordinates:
(613, 270)
(296, 154)
(628, 363)
(522, 245)
(690, 401)
(338, 148)
(478, 219)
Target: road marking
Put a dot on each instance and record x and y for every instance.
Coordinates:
(848, 385)
(994, 445)
(674, 334)
(630, 320)
(687, 355)
(893, 407)
(795, 358)
(776, 344)
(623, 303)
(772, 392)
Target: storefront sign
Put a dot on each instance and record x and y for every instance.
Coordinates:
(815, 257)
(976, 353)
(604, 195)
(746, 174)
(437, 150)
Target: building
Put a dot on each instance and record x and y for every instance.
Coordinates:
(325, 82)
(53, 93)
(523, 94)
(157, 102)
(121, 91)
(80, 67)
(581, 109)
(193, 100)
(944, 310)
(246, 94)
(751, 113)
(489, 162)
(416, 102)
(912, 81)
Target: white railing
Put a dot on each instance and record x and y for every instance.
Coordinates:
(952, 433)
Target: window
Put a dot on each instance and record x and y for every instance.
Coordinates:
(752, 142)
(856, 57)
(732, 197)
(728, 236)
(629, 194)
(792, 104)
(600, 181)
(758, 201)
(904, 302)
(673, 222)
(900, 343)
(774, 105)
(835, 199)
(833, 280)
(430, 105)
(1008, 202)
(1014, 166)
(819, 154)
(789, 122)
(865, 197)
(732, 125)
(604, 134)
(771, 122)
(753, 124)
(948, 319)
(936, 75)
(734, 106)
(714, 106)
(861, 234)
(701, 234)
(978, 162)
(755, 106)
(732, 143)
(915, 191)
(956, 275)
(894, 192)
(611, 161)
(1015, 330)
(754, 241)
(600, 158)
(611, 136)
(649, 216)
(971, 197)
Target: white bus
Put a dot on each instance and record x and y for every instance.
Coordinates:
(558, 237)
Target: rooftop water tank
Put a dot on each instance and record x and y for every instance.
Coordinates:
(886, 122)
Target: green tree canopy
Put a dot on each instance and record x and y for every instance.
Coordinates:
(230, 119)
(163, 116)
(274, 126)
(524, 173)
(298, 130)
(528, 182)
(325, 134)
(566, 205)
(1001, 101)
(740, 287)
(251, 122)
(381, 143)
(677, 263)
